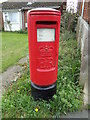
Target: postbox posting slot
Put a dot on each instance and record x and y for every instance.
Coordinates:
(46, 31)
(46, 22)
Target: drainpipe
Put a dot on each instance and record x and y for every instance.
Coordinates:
(23, 20)
(83, 8)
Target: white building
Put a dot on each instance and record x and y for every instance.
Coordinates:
(72, 6)
(12, 20)
(13, 17)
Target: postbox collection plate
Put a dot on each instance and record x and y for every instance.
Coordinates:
(45, 34)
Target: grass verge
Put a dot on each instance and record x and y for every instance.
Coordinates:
(14, 47)
(17, 101)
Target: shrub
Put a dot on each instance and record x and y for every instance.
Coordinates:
(22, 31)
(67, 35)
(17, 101)
(69, 21)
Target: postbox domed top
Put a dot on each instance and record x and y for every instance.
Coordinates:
(42, 9)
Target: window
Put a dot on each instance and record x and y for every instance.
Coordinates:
(6, 17)
(13, 16)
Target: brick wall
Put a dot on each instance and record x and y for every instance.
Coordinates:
(86, 14)
(25, 18)
(1, 21)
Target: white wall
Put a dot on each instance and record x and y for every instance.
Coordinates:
(83, 40)
(15, 19)
(72, 5)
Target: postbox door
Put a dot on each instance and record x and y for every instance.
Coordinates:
(46, 37)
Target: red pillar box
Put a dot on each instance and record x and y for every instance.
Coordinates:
(43, 37)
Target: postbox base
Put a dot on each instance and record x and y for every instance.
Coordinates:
(43, 92)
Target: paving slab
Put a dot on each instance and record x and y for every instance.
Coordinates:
(13, 72)
(78, 114)
(23, 60)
